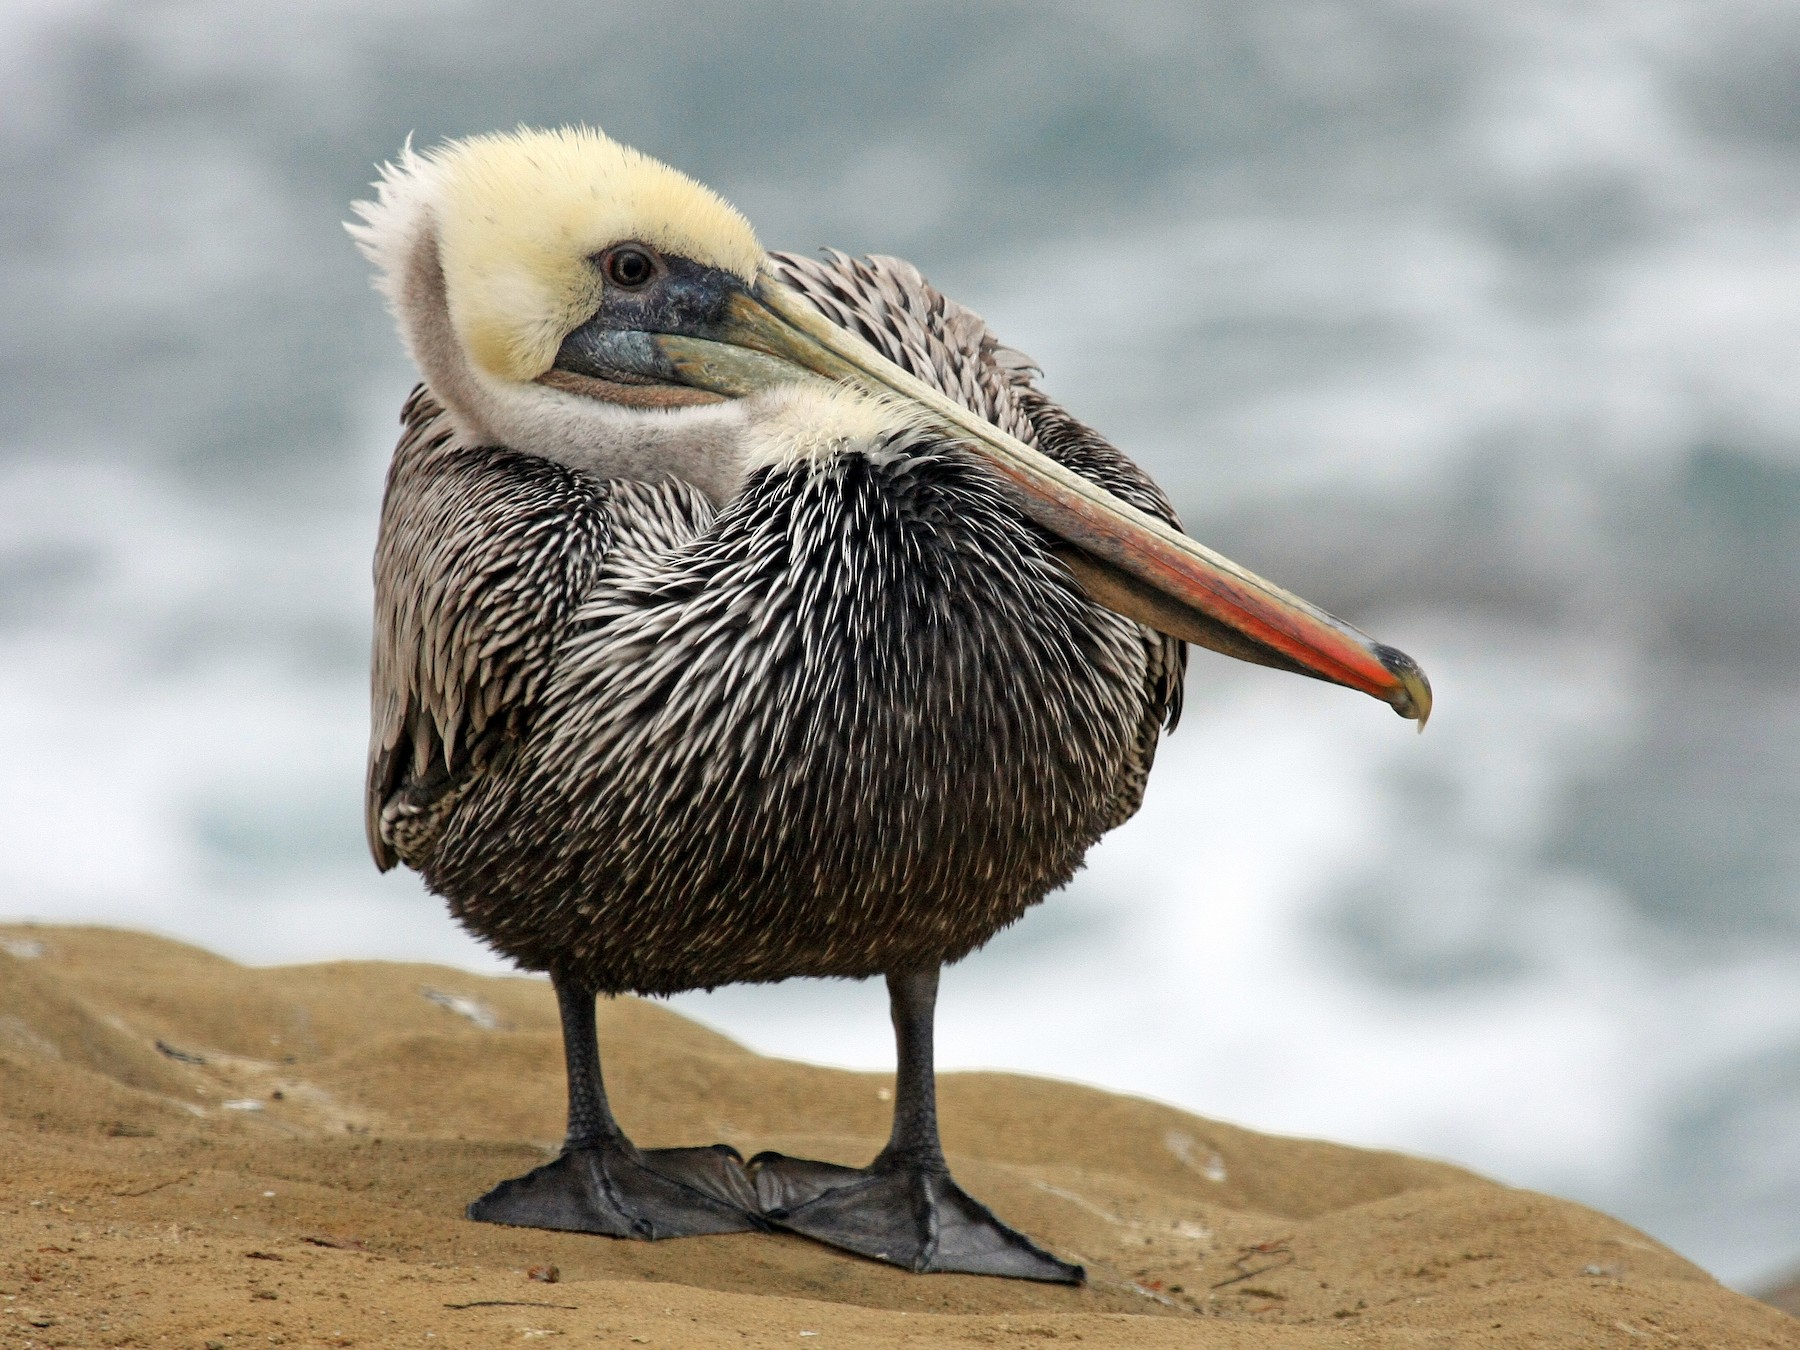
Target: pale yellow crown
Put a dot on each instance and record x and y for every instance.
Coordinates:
(520, 216)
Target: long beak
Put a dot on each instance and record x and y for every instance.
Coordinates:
(1125, 559)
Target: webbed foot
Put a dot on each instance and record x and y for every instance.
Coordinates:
(623, 1192)
(914, 1216)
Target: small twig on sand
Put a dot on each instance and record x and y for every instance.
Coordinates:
(1279, 1249)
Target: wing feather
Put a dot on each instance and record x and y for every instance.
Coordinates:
(482, 556)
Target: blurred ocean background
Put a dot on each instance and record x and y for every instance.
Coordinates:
(1476, 323)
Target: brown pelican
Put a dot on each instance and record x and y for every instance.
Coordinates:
(742, 616)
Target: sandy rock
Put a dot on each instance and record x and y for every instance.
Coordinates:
(140, 1200)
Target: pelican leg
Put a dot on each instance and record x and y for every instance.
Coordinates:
(903, 1208)
(603, 1183)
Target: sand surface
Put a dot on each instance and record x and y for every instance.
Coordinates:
(196, 1153)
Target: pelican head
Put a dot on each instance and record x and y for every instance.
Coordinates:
(568, 296)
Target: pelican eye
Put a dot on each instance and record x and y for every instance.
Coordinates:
(629, 267)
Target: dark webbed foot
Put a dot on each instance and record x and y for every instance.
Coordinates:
(904, 1208)
(911, 1215)
(619, 1191)
(603, 1183)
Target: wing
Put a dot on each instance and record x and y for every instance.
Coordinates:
(888, 303)
(483, 554)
